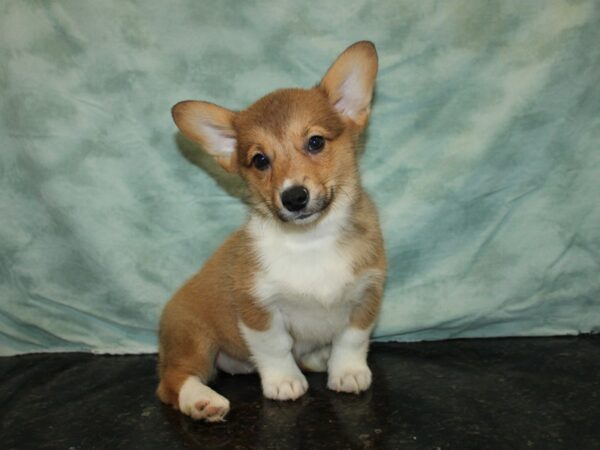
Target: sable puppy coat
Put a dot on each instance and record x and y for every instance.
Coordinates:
(300, 284)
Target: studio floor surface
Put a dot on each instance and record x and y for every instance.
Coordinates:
(471, 394)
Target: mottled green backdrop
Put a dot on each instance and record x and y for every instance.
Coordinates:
(483, 155)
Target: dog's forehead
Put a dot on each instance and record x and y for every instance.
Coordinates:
(288, 111)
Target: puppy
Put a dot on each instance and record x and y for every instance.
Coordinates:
(299, 286)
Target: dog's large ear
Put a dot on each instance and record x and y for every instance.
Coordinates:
(211, 126)
(349, 82)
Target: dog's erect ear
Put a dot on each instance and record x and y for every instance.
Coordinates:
(349, 82)
(211, 126)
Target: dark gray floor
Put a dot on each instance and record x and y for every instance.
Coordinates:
(475, 394)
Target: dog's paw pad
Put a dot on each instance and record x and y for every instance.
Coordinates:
(212, 409)
(202, 403)
(350, 380)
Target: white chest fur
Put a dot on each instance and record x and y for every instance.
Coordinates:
(301, 265)
(306, 275)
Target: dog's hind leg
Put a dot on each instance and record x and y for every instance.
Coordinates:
(183, 379)
(315, 360)
(234, 366)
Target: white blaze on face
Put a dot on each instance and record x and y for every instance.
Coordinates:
(287, 183)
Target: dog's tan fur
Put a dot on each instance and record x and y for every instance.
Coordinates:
(204, 316)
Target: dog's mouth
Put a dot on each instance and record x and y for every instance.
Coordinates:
(301, 219)
(310, 214)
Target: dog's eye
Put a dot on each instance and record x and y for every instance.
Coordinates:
(315, 144)
(260, 161)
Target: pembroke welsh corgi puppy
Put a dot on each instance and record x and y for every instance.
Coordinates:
(299, 286)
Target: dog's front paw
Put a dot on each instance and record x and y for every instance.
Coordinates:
(202, 403)
(284, 386)
(350, 379)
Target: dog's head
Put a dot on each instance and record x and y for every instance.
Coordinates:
(295, 148)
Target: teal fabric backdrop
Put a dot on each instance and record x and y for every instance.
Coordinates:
(482, 154)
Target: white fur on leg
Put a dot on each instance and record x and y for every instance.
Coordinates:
(200, 402)
(347, 367)
(272, 353)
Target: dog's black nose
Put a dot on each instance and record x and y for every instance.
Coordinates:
(295, 198)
